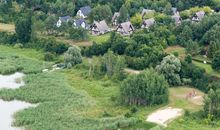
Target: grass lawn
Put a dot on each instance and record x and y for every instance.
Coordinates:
(100, 39)
(7, 27)
(208, 68)
(172, 49)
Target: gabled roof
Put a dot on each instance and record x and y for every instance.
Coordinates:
(149, 22)
(126, 26)
(86, 10)
(116, 15)
(64, 18)
(200, 14)
(101, 26)
(78, 22)
(146, 11)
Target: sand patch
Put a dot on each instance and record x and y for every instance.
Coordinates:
(164, 116)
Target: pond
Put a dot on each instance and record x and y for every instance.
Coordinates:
(9, 108)
(11, 81)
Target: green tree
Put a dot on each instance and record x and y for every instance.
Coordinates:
(78, 34)
(101, 12)
(123, 17)
(136, 20)
(185, 36)
(192, 47)
(216, 61)
(113, 65)
(168, 9)
(73, 56)
(170, 67)
(23, 29)
(147, 88)
(212, 103)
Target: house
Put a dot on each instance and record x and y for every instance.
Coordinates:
(83, 12)
(80, 23)
(115, 18)
(99, 28)
(148, 22)
(177, 18)
(62, 20)
(146, 11)
(125, 28)
(198, 16)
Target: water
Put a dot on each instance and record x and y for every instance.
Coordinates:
(8, 108)
(12, 81)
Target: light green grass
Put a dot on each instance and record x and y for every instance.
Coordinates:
(172, 49)
(100, 39)
(30, 53)
(208, 68)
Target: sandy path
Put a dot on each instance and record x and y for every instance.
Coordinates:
(164, 116)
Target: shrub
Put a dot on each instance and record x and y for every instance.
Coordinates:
(48, 56)
(73, 56)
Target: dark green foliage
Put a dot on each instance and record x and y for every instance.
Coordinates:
(188, 59)
(110, 64)
(48, 56)
(197, 75)
(23, 29)
(48, 45)
(147, 88)
(123, 14)
(216, 61)
(212, 103)
(101, 12)
(78, 34)
(7, 38)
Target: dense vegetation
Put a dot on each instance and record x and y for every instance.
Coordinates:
(94, 91)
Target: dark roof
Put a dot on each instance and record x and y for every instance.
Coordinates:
(64, 18)
(86, 10)
(79, 22)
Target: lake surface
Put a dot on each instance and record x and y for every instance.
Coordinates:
(12, 81)
(9, 108)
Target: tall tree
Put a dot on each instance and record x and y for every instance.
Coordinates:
(147, 88)
(170, 67)
(123, 17)
(23, 29)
